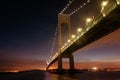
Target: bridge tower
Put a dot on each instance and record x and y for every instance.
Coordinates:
(64, 19)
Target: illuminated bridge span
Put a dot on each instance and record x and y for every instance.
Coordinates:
(106, 22)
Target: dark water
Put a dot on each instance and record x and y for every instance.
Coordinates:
(33, 75)
(41, 75)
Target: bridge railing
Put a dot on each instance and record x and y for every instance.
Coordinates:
(112, 5)
(97, 19)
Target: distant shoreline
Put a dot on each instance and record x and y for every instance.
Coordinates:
(42, 75)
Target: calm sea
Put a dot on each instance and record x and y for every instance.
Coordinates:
(41, 75)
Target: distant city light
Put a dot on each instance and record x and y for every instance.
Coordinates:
(15, 71)
(95, 68)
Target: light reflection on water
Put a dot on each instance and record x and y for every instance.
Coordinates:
(85, 76)
(50, 76)
(41, 75)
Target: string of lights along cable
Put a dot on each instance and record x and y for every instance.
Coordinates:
(54, 41)
(66, 7)
(77, 9)
(80, 7)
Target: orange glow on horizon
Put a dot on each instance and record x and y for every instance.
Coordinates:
(14, 71)
(81, 65)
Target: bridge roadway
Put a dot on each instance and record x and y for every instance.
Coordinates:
(105, 26)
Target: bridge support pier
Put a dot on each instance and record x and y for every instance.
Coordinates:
(60, 63)
(71, 61)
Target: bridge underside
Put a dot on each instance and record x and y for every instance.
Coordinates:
(107, 25)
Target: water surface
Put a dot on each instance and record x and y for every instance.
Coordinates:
(42, 75)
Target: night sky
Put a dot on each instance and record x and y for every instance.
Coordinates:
(27, 29)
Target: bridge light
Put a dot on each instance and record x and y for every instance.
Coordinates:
(79, 30)
(88, 20)
(73, 36)
(88, 1)
(70, 2)
(82, 33)
(118, 2)
(81, 6)
(65, 44)
(87, 29)
(84, 4)
(68, 40)
(104, 3)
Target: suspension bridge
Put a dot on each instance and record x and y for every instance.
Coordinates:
(107, 21)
